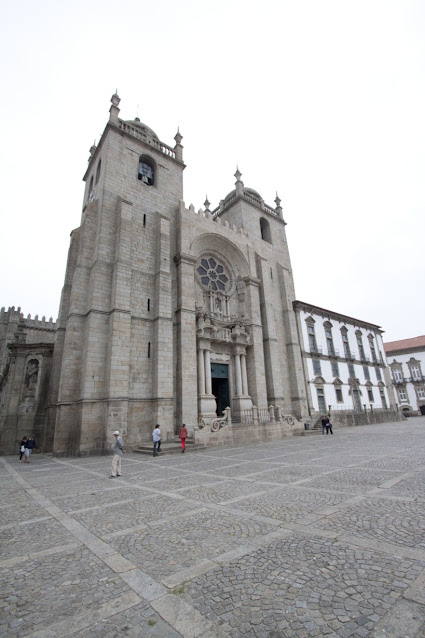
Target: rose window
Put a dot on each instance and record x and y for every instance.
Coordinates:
(211, 275)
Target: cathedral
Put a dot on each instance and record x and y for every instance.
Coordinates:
(172, 315)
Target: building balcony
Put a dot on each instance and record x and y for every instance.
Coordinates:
(333, 352)
(416, 379)
(316, 350)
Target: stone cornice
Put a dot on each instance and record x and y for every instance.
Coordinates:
(328, 314)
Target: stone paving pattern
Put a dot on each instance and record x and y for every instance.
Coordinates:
(310, 536)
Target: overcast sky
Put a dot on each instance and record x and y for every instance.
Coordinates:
(322, 101)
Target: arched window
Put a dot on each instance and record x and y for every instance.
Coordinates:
(360, 345)
(147, 170)
(346, 344)
(265, 230)
(329, 339)
(98, 171)
(311, 335)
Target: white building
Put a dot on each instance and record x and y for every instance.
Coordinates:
(345, 370)
(406, 361)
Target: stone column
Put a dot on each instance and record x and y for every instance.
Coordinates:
(244, 375)
(207, 367)
(238, 375)
(201, 372)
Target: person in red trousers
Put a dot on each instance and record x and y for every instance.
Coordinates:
(183, 437)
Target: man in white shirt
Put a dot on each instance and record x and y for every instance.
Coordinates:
(156, 436)
(116, 459)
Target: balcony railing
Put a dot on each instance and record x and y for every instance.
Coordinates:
(416, 379)
(333, 352)
(316, 349)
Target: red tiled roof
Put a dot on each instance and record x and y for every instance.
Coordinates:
(415, 342)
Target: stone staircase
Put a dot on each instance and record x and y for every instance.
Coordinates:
(169, 447)
(315, 428)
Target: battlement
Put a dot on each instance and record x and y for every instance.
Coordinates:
(14, 315)
(148, 139)
(207, 214)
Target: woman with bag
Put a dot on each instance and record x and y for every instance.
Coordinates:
(22, 448)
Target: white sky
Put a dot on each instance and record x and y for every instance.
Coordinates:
(322, 101)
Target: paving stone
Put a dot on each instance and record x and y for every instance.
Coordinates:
(297, 538)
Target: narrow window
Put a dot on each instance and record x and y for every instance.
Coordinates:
(366, 373)
(98, 171)
(90, 190)
(271, 273)
(338, 393)
(311, 336)
(360, 346)
(144, 219)
(351, 371)
(149, 350)
(372, 349)
(370, 395)
(378, 374)
(335, 368)
(149, 305)
(316, 366)
(383, 399)
(329, 341)
(346, 344)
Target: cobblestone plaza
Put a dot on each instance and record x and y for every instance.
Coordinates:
(309, 536)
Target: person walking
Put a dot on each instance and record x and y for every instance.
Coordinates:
(325, 421)
(118, 450)
(156, 436)
(183, 437)
(22, 448)
(329, 427)
(29, 447)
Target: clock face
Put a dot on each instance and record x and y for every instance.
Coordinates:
(212, 275)
(145, 173)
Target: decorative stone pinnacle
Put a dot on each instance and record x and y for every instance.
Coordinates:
(115, 99)
(238, 174)
(93, 148)
(277, 200)
(207, 203)
(178, 137)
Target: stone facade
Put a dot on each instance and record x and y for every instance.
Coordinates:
(406, 361)
(168, 315)
(26, 354)
(344, 367)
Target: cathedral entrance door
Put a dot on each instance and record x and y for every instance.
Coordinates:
(220, 386)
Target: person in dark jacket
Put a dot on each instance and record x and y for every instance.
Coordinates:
(29, 447)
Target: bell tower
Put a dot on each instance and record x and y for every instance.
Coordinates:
(115, 351)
